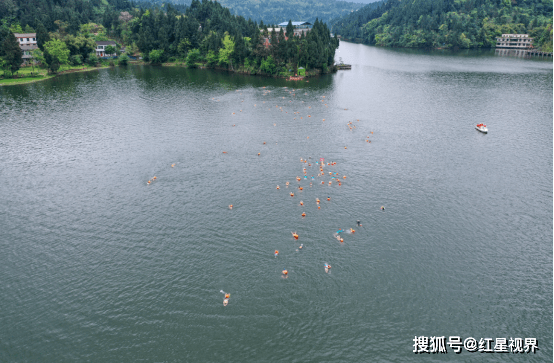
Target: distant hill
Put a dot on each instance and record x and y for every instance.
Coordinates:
(447, 23)
(277, 11)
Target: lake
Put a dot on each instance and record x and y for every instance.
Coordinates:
(98, 265)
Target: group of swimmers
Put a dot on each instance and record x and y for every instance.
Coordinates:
(320, 165)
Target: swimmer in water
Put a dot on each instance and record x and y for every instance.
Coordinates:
(328, 198)
(327, 267)
(225, 302)
(358, 222)
(278, 187)
(285, 272)
(295, 235)
(303, 214)
(276, 253)
(230, 206)
(301, 203)
(301, 246)
(292, 194)
(352, 231)
(382, 208)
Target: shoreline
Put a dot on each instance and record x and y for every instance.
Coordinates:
(309, 74)
(45, 76)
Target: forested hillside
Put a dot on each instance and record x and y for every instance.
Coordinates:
(351, 26)
(278, 11)
(448, 23)
(204, 32)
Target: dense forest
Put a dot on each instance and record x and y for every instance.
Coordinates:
(447, 23)
(351, 25)
(278, 11)
(203, 33)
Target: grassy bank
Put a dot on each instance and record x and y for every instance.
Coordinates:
(27, 75)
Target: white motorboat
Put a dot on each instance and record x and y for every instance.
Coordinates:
(482, 128)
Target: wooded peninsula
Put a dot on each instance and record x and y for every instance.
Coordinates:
(204, 34)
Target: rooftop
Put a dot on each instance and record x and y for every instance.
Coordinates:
(25, 35)
(294, 23)
(104, 42)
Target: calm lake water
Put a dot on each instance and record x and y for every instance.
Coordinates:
(97, 265)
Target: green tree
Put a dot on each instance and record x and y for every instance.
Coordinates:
(183, 47)
(211, 58)
(42, 36)
(290, 30)
(193, 56)
(225, 53)
(268, 65)
(123, 60)
(110, 49)
(92, 59)
(38, 57)
(56, 54)
(11, 53)
(156, 56)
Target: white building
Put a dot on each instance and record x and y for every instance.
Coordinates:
(26, 38)
(27, 43)
(514, 41)
(101, 48)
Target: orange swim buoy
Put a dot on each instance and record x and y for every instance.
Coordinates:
(285, 272)
(230, 206)
(258, 154)
(278, 187)
(318, 207)
(292, 194)
(303, 214)
(300, 188)
(328, 198)
(301, 203)
(344, 176)
(154, 178)
(227, 296)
